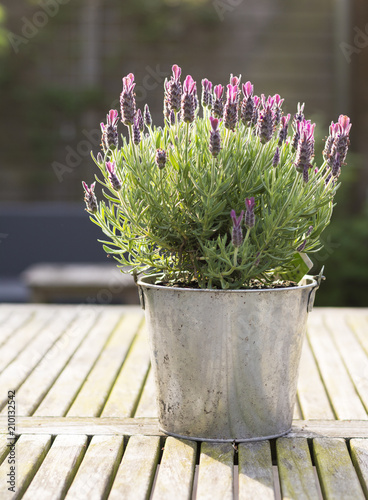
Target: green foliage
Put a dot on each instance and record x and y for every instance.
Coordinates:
(176, 222)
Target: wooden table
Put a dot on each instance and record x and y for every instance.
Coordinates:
(86, 425)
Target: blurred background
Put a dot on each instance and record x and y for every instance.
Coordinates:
(61, 65)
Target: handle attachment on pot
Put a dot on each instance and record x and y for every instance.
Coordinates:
(141, 297)
(312, 293)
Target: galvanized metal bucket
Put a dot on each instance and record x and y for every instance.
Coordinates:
(226, 361)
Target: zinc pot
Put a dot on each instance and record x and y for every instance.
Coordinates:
(226, 361)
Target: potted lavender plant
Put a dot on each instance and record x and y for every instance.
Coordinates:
(219, 210)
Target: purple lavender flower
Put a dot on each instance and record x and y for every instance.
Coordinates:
(160, 158)
(249, 214)
(173, 90)
(147, 116)
(340, 144)
(113, 178)
(247, 107)
(234, 80)
(299, 115)
(127, 100)
(231, 107)
(277, 108)
(188, 103)
(206, 93)
(90, 197)
(215, 139)
(136, 130)
(218, 104)
(303, 244)
(333, 129)
(140, 120)
(284, 128)
(237, 233)
(109, 131)
(266, 120)
(276, 157)
(256, 104)
(305, 149)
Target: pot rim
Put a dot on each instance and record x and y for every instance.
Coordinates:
(144, 282)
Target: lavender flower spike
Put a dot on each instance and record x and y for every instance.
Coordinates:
(277, 108)
(173, 91)
(284, 128)
(188, 104)
(237, 233)
(160, 158)
(305, 149)
(231, 107)
(110, 131)
(276, 157)
(206, 93)
(113, 178)
(218, 104)
(215, 139)
(247, 107)
(266, 120)
(249, 214)
(136, 130)
(340, 144)
(147, 116)
(127, 100)
(90, 197)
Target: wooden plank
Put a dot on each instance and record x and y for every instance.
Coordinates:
(127, 389)
(354, 357)
(30, 452)
(62, 394)
(4, 449)
(296, 470)
(33, 390)
(359, 325)
(149, 426)
(96, 388)
(312, 395)
(11, 322)
(255, 471)
(147, 406)
(359, 455)
(176, 472)
(19, 369)
(23, 335)
(216, 470)
(58, 469)
(345, 401)
(137, 470)
(336, 473)
(97, 471)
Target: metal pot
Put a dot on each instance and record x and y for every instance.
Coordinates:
(226, 361)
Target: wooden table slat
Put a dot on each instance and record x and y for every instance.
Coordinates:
(355, 359)
(296, 470)
(337, 476)
(23, 336)
(176, 472)
(312, 395)
(359, 325)
(37, 384)
(147, 406)
(359, 455)
(216, 472)
(10, 323)
(137, 470)
(127, 389)
(96, 388)
(255, 471)
(62, 394)
(345, 401)
(58, 468)
(20, 368)
(30, 452)
(98, 468)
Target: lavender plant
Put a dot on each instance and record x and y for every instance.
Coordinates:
(220, 197)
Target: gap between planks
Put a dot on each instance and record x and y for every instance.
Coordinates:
(92, 426)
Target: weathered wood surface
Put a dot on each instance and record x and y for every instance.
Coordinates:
(87, 417)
